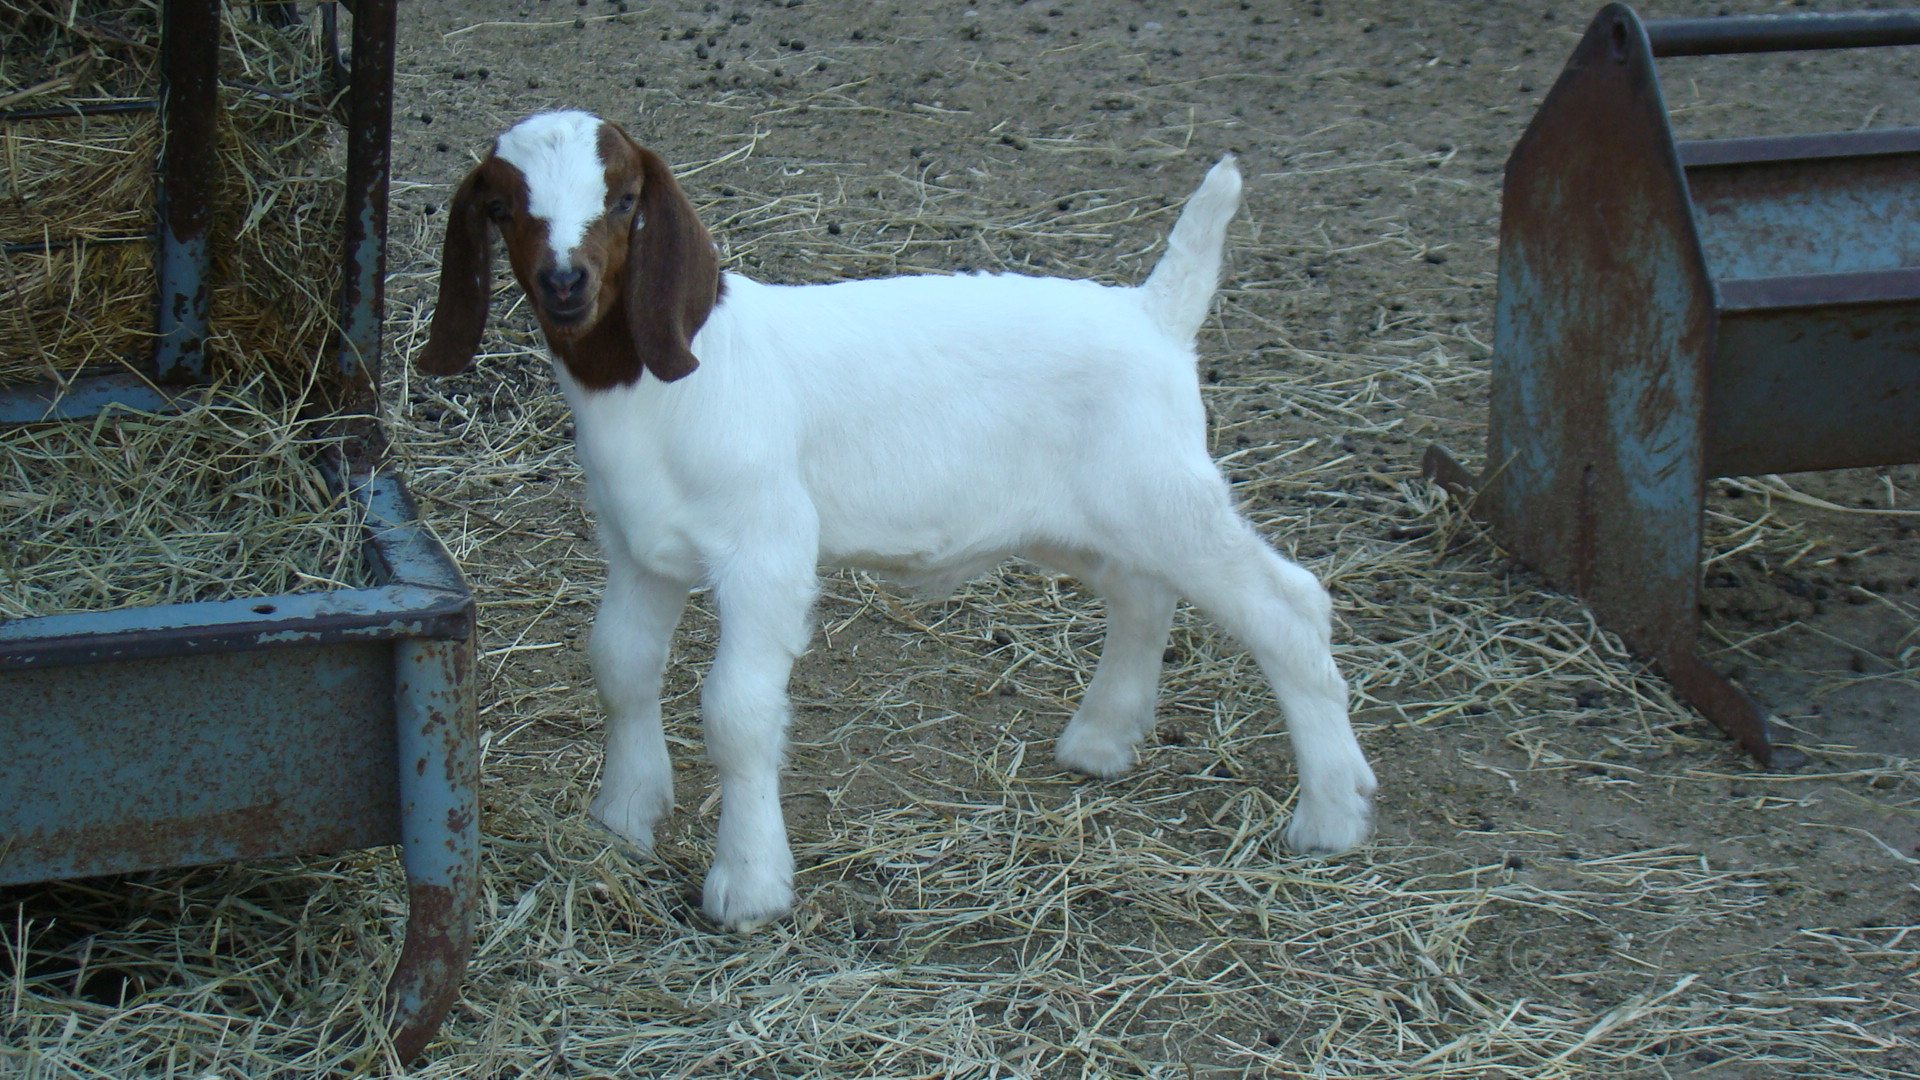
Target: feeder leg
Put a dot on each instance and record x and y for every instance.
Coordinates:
(440, 830)
(1728, 706)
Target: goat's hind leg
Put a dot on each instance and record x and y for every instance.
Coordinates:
(1117, 712)
(1284, 617)
(631, 635)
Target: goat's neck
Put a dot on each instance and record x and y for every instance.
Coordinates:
(604, 357)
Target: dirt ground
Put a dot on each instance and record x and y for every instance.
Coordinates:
(1373, 136)
(1615, 870)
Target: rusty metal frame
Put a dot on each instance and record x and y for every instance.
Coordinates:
(1670, 312)
(189, 107)
(300, 724)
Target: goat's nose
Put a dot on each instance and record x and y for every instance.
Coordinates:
(562, 284)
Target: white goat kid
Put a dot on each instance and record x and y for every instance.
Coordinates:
(925, 428)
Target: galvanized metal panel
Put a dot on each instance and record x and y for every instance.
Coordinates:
(1826, 387)
(1603, 329)
(1802, 216)
(196, 759)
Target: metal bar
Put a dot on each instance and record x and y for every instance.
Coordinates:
(330, 34)
(44, 247)
(116, 108)
(1767, 149)
(1782, 33)
(439, 772)
(400, 548)
(98, 637)
(1898, 285)
(369, 130)
(423, 595)
(104, 108)
(1724, 703)
(38, 402)
(189, 63)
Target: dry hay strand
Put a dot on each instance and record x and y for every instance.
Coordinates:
(129, 508)
(78, 207)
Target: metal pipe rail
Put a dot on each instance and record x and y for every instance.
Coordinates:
(1782, 33)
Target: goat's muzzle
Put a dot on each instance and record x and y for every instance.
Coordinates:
(566, 296)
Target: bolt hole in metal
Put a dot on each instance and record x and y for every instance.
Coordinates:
(264, 609)
(1619, 42)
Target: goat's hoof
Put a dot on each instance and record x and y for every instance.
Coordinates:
(1089, 750)
(631, 817)
(748, 896)
(1327, 824)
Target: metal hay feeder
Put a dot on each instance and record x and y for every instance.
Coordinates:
(313, 723)
(1674, 311)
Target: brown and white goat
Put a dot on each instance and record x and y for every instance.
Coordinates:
(740, 435)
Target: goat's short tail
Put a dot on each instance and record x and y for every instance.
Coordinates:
(1180, 290)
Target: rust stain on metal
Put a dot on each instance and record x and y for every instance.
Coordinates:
(1604, 318)
(1672, 311)
(426, 982)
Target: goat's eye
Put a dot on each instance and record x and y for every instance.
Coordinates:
(499, 211)
(624, 205)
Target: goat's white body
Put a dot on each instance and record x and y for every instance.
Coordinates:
(903, 430)
(926, 428)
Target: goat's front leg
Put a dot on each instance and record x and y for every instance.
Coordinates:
(764, 610)
(631, 634)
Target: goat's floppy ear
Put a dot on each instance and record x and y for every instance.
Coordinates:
(466, 284)
(673, 273)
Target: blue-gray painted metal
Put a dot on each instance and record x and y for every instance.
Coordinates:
(439, 780)
(423, 595)
(1602, 331)
(308, 723)
(183, 760)
(1672, 311)
(228, 729)
(402, 548)
(1826, 387)
(83, 397)
(380, 613)
(190, 59)
(369, 128)
(1788, 217)
(300, 724)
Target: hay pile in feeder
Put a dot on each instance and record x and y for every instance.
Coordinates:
(222, 500)
(158, 509)
(77, 195)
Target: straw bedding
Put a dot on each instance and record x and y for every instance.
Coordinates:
(1574, 877)
(134, 508)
